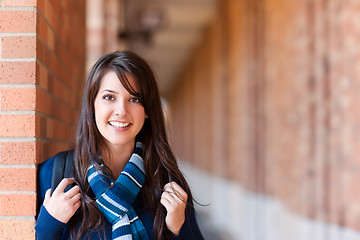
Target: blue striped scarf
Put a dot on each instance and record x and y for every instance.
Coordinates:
(114, 199)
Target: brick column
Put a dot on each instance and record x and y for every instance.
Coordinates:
(18, 120)
(42, 59)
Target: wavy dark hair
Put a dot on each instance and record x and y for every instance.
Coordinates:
(160, 163)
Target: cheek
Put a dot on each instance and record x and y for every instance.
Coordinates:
(141, 114)
(139, 117)
(99, 113)
(97, 120)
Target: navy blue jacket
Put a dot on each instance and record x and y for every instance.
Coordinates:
(47, 227)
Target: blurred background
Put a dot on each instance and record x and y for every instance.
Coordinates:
(261, 98)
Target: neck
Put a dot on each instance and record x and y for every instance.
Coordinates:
(119, 157)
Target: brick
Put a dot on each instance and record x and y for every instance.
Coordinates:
(49, 149)
(18, 205)
(18, 153)
(18, 3)
(53, 129)
(18, 47)
(51, 41)
(56, 6)
(43, 102)
(62, 131)
(42, 76)
(17, 229)
(17, 98)
(61, 92)
(40, 52)
(49, 15)
(40, 5)
(17, 72)
(17, 179)
(51, 106)
(42, 28)
(18, 21)
(17, 125)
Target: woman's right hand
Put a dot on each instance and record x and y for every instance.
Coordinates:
(63, 205)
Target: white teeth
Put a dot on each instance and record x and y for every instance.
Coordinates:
(119, 124)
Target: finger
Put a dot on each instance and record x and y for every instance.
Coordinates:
(179, 189)
(75, 198)
(77, 205)
(62, 185)
(173, 199)
(165, 202)
(73, 191)
(172, 195)
(169, 196)
(47, 194)
(176, 190)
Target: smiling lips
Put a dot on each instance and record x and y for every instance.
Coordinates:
(119, 124)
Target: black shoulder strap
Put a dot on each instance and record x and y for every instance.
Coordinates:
(63, 168)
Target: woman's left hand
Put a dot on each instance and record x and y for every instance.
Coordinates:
(174, 199)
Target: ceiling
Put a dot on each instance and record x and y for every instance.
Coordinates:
(175, 27)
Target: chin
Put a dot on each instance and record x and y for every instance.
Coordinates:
(120, 142)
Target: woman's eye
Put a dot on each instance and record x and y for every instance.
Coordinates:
(108, 97)
(135, 100)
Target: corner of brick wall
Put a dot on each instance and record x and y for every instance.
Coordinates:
(42, 59)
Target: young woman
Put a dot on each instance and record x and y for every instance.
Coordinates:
(128, 184)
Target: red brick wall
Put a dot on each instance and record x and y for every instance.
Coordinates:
(42, 59)
(60, 71)
(270, 100)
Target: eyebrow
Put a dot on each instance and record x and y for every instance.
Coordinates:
(109, 90)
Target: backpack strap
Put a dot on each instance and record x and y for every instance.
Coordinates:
(63, 168)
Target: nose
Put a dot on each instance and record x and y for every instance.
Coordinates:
(120, 108)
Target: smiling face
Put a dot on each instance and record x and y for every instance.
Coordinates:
(119, 115)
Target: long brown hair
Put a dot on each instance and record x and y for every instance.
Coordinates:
(160, 164)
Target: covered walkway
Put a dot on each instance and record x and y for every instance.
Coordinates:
(261, 99)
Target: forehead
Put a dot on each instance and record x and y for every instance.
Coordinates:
(111, 80)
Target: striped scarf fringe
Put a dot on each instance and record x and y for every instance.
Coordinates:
(114, 199)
